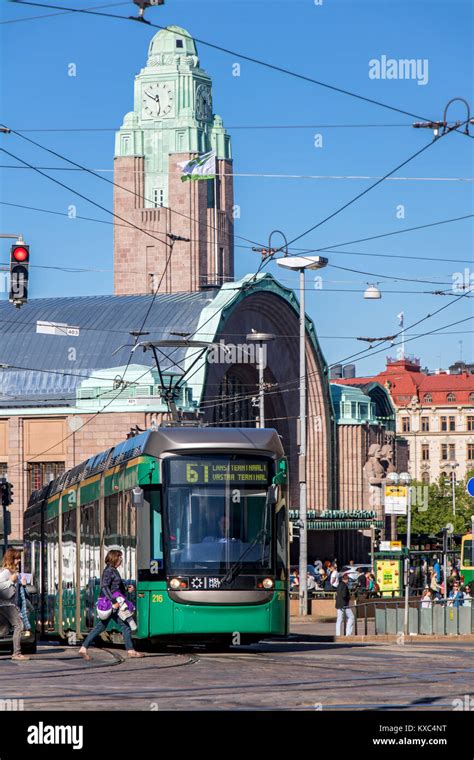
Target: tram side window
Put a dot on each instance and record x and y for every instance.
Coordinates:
(156, 527)
(120, 531)
(468, 558)
(281, 540)
(90, 546)
(69, 549)
(52, 564)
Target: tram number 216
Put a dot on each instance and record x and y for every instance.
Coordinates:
(157, 598)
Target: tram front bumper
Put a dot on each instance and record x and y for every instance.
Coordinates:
(159, 615)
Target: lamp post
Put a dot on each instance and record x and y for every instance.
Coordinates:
(405, 479)
(260, 339)
(301, 263)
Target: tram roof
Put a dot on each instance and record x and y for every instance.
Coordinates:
(166, 440)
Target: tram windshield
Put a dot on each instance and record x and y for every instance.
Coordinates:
(217, 514)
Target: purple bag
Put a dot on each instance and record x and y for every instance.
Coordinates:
(104, 608)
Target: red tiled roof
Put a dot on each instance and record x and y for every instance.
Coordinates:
(406, 380)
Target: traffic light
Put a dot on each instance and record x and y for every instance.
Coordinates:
(19, 266)
(7, 493)
(377, 538)
(5, 522)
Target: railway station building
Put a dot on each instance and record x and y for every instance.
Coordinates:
(70, 385)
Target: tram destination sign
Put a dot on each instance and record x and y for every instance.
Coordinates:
(208, 472)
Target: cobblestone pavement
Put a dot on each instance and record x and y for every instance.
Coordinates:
(302, 673)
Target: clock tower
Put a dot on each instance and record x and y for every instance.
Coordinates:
(172, 122)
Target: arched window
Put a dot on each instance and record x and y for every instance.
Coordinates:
(428, 397)
(451, 397)
(425, 477)
(471, 397)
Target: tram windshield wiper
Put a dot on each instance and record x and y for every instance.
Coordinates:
(236, 567)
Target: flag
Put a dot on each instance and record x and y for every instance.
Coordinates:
(400, 318)
(202, 167)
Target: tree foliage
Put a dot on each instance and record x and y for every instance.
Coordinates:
(439, 511)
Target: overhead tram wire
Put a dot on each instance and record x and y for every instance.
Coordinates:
(394, 232)
(121, 187)
(281, 386)
(100, 221)
(367, 190)
(85, 197)
(244, 57)
(62, 13)
(298, 250)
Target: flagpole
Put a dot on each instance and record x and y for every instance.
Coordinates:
(216, 251)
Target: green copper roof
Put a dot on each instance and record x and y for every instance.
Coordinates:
(167, 41)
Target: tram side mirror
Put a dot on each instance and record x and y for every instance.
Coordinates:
(138, 497)
(273, 495)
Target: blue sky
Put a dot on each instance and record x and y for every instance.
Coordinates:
(333, 42)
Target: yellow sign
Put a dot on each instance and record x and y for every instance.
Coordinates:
(388, 575)
(395, 544)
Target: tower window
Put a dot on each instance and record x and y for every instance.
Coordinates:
(179, 43)
(158, 197)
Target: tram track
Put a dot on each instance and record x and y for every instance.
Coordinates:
(85, 667)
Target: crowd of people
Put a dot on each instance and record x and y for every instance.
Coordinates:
(324, 576)
(426, 580)
(429, 578)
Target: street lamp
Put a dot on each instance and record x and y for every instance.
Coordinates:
(405, 480)
(260, 339)
(301, 263)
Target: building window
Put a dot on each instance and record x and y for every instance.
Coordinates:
(451, 397)
(425, 451)
(364, 410)
(470, 452)
(452, 423)
(444, 423)
(428, 397)
(452, 451)
(179, 43)
(470, 422)
(471, 397)
(158, 197)
(425, 477)
(405, 424)
(3, 470)
(444, 451)
(425, 424)
(41, 473)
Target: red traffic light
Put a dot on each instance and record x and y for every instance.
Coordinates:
(20, 253)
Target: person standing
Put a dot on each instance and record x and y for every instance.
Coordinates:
(111, 583)
(334, 578)
(343, 598)
(9, 611)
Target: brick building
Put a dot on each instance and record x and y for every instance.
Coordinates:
(434, 413)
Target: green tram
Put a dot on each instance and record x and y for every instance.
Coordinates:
(200, 515)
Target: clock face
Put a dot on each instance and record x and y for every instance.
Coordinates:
(157, 100)
(203, 103)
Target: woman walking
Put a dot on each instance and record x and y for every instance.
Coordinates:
(8, 599)
(111, 586)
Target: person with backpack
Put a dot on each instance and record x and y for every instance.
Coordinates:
(9, 611)
(112, 589)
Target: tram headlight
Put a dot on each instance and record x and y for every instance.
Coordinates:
(267, 583)
(175, 584)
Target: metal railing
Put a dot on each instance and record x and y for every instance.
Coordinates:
(442, 618)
